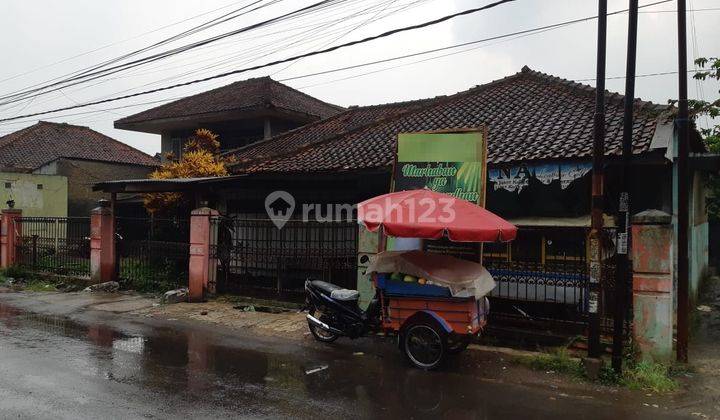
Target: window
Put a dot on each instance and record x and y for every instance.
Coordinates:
(39, 186)
(177, 144)
(8, 185)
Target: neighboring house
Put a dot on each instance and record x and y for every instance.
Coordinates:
(36, 195)
(240, 113)
(79, 154)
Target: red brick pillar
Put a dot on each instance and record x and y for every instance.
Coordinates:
(102, 243)
(652, 242)
(199, 270)
(9, 232)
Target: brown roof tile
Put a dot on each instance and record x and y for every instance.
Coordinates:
(530, 116)
(44, 142)
(245, 94)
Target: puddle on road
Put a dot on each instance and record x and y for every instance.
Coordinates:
(196, 366)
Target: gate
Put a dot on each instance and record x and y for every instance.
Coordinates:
(253, 256)
(58, 245)
(152, 254)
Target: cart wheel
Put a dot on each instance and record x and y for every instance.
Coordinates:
(320, 334)
(458, 343)
(424, 345)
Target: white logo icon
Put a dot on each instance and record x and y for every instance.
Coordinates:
(279, 205)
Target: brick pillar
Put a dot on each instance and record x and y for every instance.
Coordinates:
(652, 240)
(102, 243)
(9, 233)
(199, 270)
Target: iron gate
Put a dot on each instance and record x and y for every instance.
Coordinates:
(254, 256)
(152, 253)
(59, 245)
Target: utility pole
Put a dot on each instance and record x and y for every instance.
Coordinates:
(623, 237)
(596, 214)
(683, 177)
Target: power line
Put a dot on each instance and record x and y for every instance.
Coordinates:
(116, 43)
(84, 72)
(95, 72)
(390, 12)
(537, 29)
(128, 75)
(272, 63)
(660, 73)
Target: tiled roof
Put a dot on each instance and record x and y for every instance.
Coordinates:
(45, 142)
(246, 94)
(529, 115)
(322, 130)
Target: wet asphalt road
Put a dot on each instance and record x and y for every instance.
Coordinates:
(108, 367)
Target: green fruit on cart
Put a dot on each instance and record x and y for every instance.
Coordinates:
(410, 279)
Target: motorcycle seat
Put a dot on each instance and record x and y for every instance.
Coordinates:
(336, 292)
(345, 294)
(324, 286)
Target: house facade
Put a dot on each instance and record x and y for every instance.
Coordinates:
(540, 144)
(78, 156)
(240, 113)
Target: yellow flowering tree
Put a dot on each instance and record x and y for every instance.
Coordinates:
(200, 158)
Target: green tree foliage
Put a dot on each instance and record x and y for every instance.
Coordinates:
(709, 70)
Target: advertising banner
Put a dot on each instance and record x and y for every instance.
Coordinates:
(452, 162)
(448, 162)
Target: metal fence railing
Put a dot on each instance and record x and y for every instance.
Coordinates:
(59, 245)
(254, 253)
(152, 254)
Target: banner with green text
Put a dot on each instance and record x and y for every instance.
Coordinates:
(450, 162)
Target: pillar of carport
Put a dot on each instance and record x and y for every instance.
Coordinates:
(199, 269)
(652, 239)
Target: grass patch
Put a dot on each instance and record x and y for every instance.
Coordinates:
(38, 285)
(559, 360)
(152, 277)
(643, 375)
(649, 376)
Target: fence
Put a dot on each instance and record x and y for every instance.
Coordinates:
(152, 254)
(542, 278)
(59, 245)
(252, 253)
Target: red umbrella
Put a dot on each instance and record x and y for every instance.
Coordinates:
(431, 215)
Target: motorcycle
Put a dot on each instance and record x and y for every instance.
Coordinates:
(334, 312)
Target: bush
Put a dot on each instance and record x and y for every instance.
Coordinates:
(16, 272)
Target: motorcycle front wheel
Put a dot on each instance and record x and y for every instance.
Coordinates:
(319, 333)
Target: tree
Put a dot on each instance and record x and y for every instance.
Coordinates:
(200, 158)
(709, 69)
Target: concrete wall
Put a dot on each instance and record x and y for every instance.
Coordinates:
(83, 174)
(36, 195)
(699, 234)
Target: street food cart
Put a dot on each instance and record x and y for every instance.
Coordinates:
(435, 303)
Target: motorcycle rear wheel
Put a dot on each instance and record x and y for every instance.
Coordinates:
(317, 332)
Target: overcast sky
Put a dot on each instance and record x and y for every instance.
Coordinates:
(36, 35)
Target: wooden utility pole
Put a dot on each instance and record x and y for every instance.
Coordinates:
(683, 181)
(596, 214)
(623, 276)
